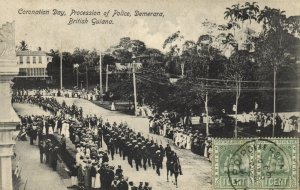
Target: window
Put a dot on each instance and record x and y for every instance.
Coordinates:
(22, 72)
(40, 59)
(27, 59)
(21, 59)
(34, 60)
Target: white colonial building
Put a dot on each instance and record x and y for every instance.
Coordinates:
(33, 64)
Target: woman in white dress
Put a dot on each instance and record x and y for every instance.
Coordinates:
(286, 127)
(188, 142)
(112, 108)
(44, 125)
(97, 179)
(63, 128)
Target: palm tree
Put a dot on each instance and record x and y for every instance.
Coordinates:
(238, 12)
(273, 19)
(228, 13)
(252, 10)
(234, 15)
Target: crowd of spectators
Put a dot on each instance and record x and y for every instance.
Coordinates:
(91, 169)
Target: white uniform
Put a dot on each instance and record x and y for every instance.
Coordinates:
(65, 129)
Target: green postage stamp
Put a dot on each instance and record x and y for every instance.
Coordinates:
(254, 163)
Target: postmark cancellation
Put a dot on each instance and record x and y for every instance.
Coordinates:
(256, 163)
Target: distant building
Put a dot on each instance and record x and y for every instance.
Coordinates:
(244, 39)
(127, 66)
(33, 64)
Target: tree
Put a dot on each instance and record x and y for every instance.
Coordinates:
(251, 11)
(174, 45)
(276, 47)
(53, 68)
(241, 13)
(80, 56)
(90, 60)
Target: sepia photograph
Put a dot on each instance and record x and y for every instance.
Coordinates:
(149, 94)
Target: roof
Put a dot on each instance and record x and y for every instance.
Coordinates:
(31, 53)
(296, 17)
(248, 31)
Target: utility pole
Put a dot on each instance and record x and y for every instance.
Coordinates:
(206, 110)
(106, 87)
(238, 92)
(134, 88)
(77, 77)
(61, 79)
(274, 102)
(86, 77)
(100, 75)
(75, 66)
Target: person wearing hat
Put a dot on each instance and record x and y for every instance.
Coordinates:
(107, 176)
(121, 143)
(125, 148)
(63, 142)
(42, 145)
(137, 156)
(80, 174)
(168, 150)
(152, 155)
(30, 133)
(158, 158)
(93, 173)
(146, 186)
(105, 158)
(97, 184)
(130, 154)
(123, 185)
(47, 150)
(131, 185)
(119, 172)
(87, 174)
(111, 147)
(114, 185)
(140, 187)
(148, 151)
(145, 155)
(201, 144)
(100, 133)
(73, 173)
(59, 125)
(54, 157)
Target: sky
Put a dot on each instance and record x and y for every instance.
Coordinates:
(53, 32)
